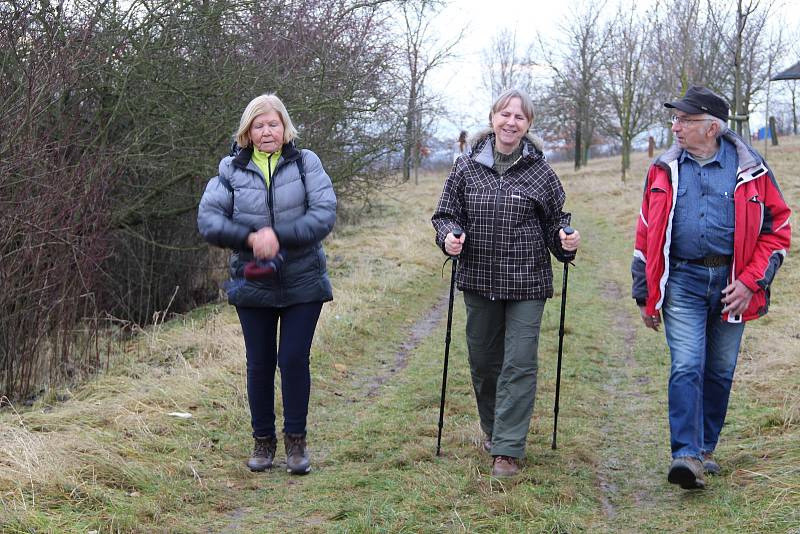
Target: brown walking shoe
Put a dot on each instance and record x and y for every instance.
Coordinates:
(297, 459)
(710, 464)
(687, 472)
(263, 453)
(504, 466)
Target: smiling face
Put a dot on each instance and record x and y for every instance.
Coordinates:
(266, 132)
(509, 125)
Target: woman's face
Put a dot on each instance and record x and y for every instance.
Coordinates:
(266, 132)
(509, 125)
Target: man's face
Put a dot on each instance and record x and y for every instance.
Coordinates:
(694, 132)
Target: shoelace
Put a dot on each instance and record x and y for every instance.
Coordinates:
(295, 445)
(264, 447)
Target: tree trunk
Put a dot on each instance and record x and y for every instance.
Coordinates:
(578, 146)
(793, 92)
(626, 155)
(773, 131)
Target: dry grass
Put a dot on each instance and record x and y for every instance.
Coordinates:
(111, 458)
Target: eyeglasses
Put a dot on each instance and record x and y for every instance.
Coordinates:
(684, 121)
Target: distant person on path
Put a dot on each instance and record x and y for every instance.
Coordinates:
(272, 204)
(712, 232)
(508, 201)
(460, 147)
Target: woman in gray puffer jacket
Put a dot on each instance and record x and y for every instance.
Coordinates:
(273, 204)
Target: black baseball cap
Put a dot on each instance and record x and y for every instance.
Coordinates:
(701, 100)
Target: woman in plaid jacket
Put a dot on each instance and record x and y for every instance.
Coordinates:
(508, 201)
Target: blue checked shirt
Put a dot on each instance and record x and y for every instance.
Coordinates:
(704, 216)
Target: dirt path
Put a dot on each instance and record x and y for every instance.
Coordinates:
(418, 332)
(621, 477)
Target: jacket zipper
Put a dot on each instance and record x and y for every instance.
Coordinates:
(270, 200)
(493, 276)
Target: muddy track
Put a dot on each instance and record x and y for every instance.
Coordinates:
(416, 334)
(620, 390)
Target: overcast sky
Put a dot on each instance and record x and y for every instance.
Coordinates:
(460, 79)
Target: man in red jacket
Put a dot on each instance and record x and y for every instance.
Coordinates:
(712, 232)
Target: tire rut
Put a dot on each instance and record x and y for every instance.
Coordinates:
(420, 330)
(620, 390)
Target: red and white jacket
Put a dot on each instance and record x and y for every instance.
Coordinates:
(761, 236)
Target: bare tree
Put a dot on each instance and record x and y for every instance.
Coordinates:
(684, 51)
(505, 66)
(628, 86)
(577, 85)
(421, 53)
(752, 52)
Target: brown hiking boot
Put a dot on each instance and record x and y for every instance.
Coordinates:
(263, 453)
(687, 472)
(297, 459)
(710, 464)
(504, 466)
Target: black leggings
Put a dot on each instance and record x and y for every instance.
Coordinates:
(260, 328)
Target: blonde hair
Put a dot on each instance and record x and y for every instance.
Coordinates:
(505, 97)
(258, 106)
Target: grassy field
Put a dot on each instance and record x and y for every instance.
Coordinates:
(108, 456)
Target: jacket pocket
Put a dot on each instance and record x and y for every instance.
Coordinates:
(680, 202)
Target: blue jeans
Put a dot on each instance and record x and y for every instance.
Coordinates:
(704, 350)
(260, 329)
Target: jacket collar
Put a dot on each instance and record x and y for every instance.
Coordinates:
(483, 143)
(749, 159)
(243, 156)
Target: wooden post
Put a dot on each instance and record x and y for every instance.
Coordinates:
(651, 146)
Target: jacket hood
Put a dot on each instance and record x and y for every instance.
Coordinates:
(748, 157)
(482, 148)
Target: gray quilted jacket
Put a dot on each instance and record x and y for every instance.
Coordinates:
(511, 222)
(238, 202)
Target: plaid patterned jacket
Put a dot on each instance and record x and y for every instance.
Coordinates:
(510, 221)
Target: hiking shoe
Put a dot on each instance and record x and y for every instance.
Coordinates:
(504, 466)
(687, 472)
(297, 460)
(486, 442)
(263, 453)
(710, 464)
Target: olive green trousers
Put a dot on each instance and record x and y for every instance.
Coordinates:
(503, 342)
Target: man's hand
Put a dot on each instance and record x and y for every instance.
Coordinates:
(736, 298)
(650, 321)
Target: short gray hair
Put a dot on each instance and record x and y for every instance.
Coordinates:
(505, 97)
(722, 126)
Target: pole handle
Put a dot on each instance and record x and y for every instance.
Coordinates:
(568, 230)
(457, 233)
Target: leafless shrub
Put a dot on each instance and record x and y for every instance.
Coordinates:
(114, 116)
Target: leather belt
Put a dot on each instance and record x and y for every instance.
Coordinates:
(712, 260)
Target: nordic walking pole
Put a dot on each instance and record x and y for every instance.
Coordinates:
(567, 230)
(454, 259)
